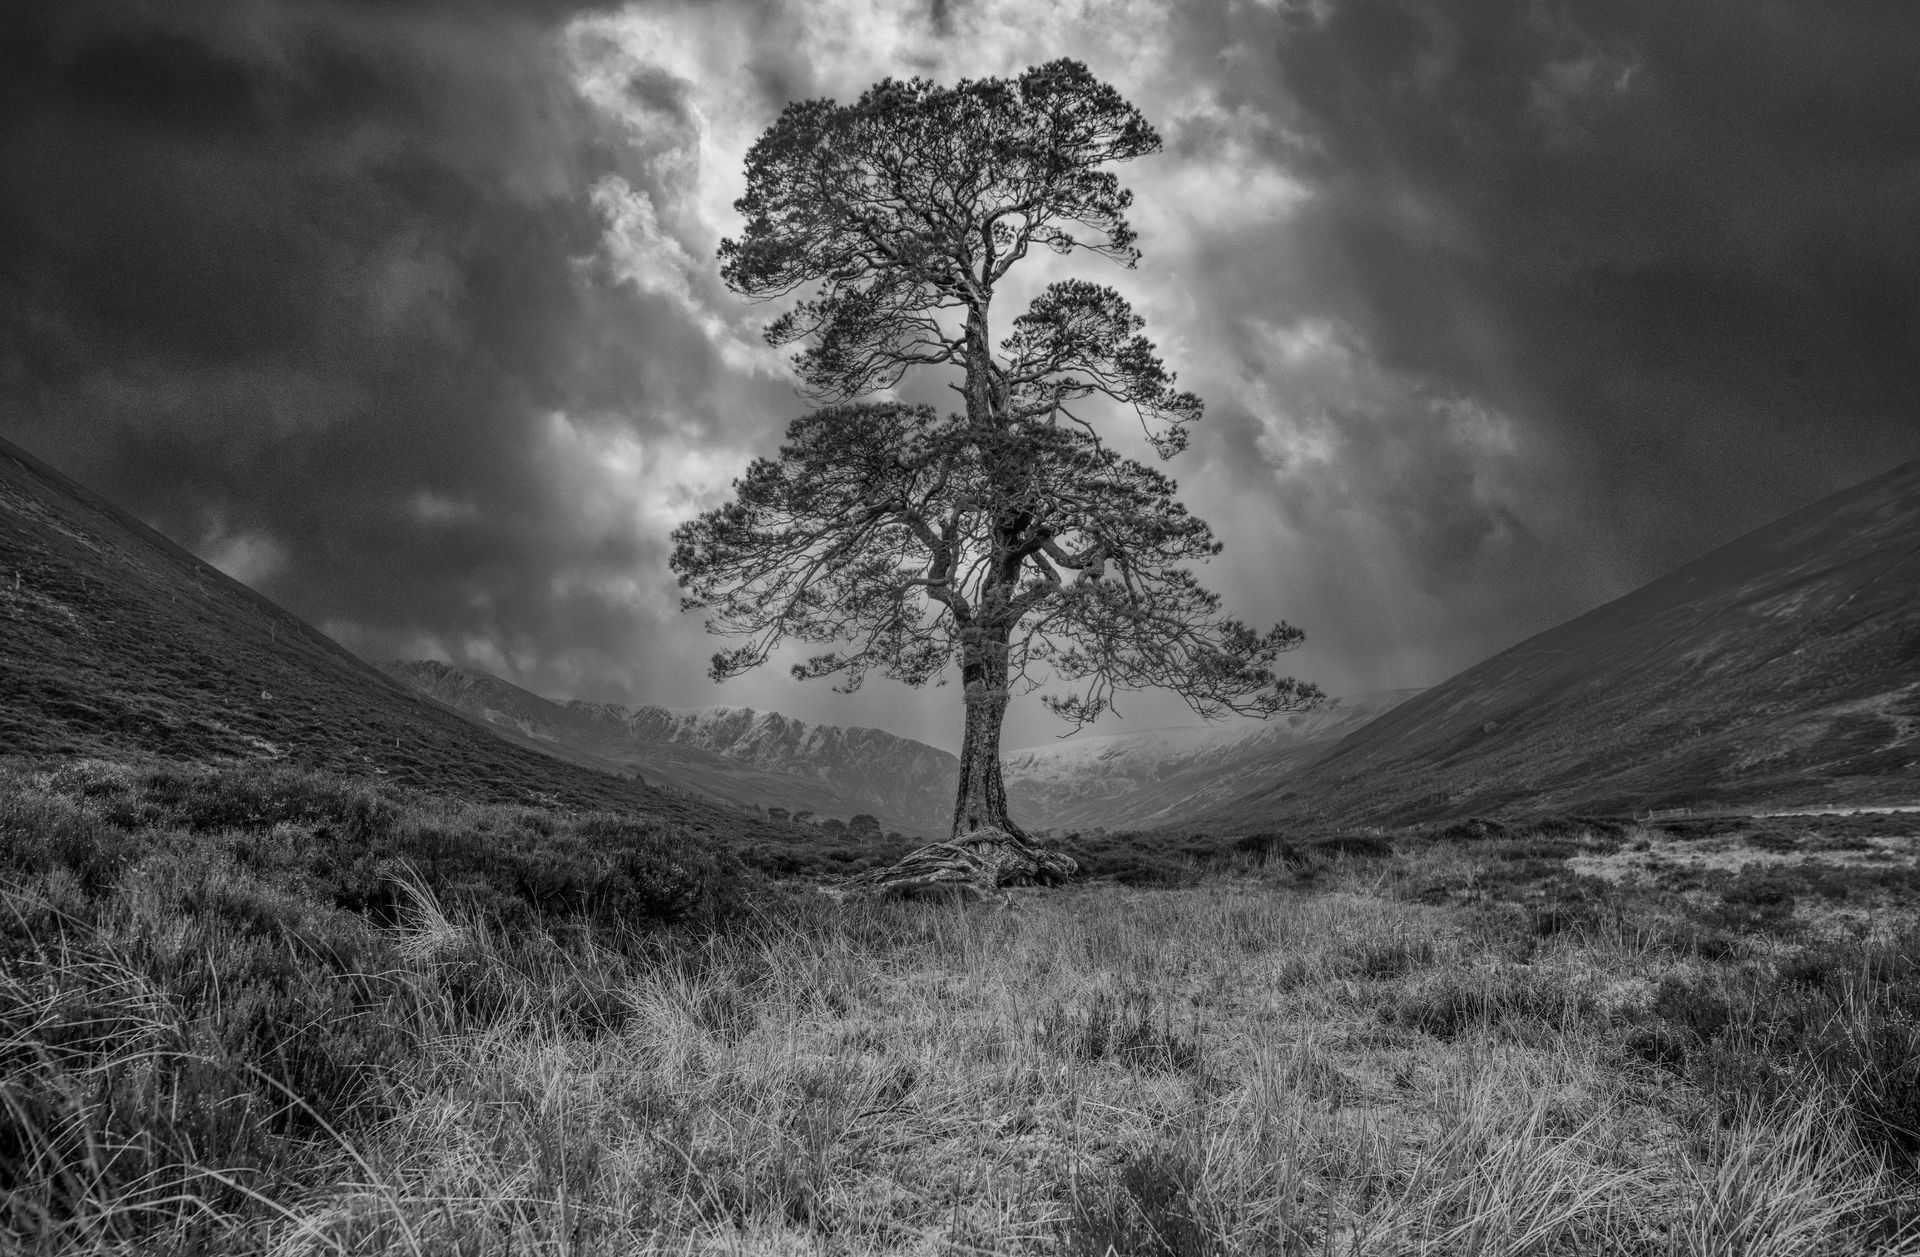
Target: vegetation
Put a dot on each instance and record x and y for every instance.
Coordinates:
(1006, 537)
(256, 1010)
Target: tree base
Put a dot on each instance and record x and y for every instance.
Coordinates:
(983, 861)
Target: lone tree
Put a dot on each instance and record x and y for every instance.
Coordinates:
(1006, 535)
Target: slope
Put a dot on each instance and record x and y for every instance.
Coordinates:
(115, 642)
(1165, 776)
(735, 754)
(1782, 669)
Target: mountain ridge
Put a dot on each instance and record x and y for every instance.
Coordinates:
(733, 754)
(765, 759)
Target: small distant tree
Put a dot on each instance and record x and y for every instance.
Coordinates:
(1006, 537)
(865, 824)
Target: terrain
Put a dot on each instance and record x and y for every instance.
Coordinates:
(118, 644)
(767, 760)
(733, 754)
(1165, 776)
(1696, 1040)
(1780, 671)
(296, 960)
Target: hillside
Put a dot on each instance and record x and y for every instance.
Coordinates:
(116, 642)
(729, 753)
(765, 759)
(1165, 776)
(1781, 670)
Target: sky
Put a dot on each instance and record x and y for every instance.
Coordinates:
(407, 314)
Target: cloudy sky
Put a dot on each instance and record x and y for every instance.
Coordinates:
(407, 313)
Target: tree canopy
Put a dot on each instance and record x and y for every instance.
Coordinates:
(877, 531)
(910, 206)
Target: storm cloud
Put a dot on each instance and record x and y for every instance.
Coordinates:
(407, 313)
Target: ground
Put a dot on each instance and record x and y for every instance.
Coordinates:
(1569, 1037)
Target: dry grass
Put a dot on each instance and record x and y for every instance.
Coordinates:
(1228, 1069)
(1275, 1060)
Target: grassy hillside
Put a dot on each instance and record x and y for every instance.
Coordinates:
(1780, 670)
(116, 643)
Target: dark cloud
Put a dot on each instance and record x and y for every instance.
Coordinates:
(1499, 308)
(1673, 242)
(307, 284)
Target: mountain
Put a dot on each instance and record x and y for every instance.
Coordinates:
(117, 643)
(1782, 669)
(1166, 776)
(734, 754)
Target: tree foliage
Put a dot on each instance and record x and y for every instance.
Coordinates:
(911, 205)
(877, 532)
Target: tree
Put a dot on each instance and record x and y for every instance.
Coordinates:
(1005, 536)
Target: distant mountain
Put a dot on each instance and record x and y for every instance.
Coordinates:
(117, 643)
(733, 754)
(1782, 669)
(1166, 776)
(738, 755)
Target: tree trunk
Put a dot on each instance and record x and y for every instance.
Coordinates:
(982, 803)
(987, 851)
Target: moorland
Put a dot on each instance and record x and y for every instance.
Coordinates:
(296, 960)
(263, 1010)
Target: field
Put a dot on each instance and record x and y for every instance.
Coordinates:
(258, 1010)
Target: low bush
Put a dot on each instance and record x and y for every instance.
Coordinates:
(352, 844)
(1140, 859)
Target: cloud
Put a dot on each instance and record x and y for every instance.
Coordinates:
(409, 312)
(250, 558)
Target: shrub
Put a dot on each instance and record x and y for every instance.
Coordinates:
(350, 845)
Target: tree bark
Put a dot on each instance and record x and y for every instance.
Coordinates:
(982, 801)
(987, 851)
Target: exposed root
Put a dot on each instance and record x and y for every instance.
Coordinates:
(983, 861)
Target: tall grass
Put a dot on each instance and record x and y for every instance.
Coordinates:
(208, 1044)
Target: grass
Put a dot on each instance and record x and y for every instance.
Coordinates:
(244, 1012)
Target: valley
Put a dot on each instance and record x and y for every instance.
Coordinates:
(296, 957)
